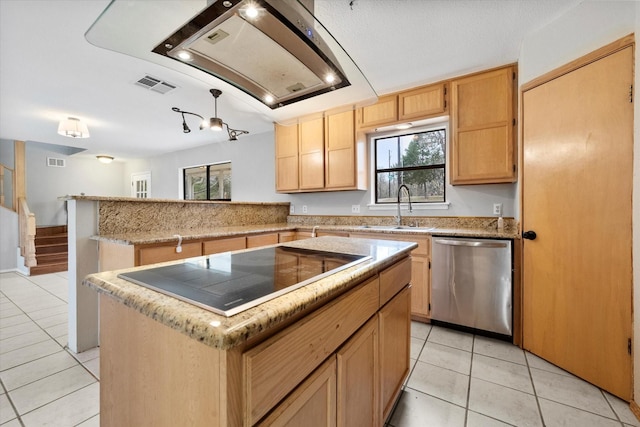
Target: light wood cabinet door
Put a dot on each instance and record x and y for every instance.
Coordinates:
(286, 158)
(383, 112)
(340, 146)
(482, 128)
(358, 372)
(224, 245)
(311, 148)
(395, 331)
(262, 240)
(156, 254)
(421, 287)
(312, 404)
(422, 102)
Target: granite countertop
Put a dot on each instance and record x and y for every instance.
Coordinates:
(192, 234)
(227, 332)
(230, 231)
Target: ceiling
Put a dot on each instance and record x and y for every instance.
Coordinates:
(49, 71)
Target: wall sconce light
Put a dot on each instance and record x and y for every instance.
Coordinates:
(73, 128)
(214, 123)
(104, 159)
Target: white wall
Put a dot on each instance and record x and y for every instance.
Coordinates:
(587, 27)
(10, 241)
(253, 179)
(252, 167)
(81, 175)
(7, 158)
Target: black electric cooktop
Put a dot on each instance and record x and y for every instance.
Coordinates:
(229, 283)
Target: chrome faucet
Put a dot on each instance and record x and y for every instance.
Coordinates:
(399, 217)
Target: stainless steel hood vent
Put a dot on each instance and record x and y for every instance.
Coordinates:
(267, 48)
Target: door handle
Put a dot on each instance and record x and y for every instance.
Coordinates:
(529, 235)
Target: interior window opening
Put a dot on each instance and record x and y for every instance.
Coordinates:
(208, 182)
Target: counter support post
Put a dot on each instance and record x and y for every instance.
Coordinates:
(83, 260)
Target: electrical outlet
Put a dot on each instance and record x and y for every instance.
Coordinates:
(497, 208)
(355, 208)
(292, 209)
(304, 208)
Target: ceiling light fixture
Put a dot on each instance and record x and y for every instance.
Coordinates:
(104, 158)
(73, 128)
(214, 123)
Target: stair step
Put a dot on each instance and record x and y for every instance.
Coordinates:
(51, 230)
(51, 248)
(48, 268)
(52, 258)
(46, 240)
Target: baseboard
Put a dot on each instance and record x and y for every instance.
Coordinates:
(635, 409)
(9, 270)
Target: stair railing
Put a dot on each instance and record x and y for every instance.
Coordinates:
(27, 225)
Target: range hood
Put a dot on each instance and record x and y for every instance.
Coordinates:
(285, 52)
(270, 49)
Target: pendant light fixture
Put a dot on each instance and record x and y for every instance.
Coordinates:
(214, 123)
(73, 128)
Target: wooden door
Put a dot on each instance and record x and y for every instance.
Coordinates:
(577, 182)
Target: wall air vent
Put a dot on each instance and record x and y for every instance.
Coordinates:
(56, 163)
(155, 84)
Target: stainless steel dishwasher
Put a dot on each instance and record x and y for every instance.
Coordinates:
(472, 283)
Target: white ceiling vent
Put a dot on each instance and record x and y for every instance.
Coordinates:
(56, 163)
(155, 84)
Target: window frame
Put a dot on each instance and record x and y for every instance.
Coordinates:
(208, 174)
(440, 124)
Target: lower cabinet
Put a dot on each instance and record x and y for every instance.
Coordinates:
(357, 385)
(358, 377)
(394, 347)
(312, 404)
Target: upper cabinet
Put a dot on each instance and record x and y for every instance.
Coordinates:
(327, 156)
(415, 104)
(482, 128)
(286, 158)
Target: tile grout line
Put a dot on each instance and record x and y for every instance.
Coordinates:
(535, 393)
(466, 409)
(611, 407)
(13, 406)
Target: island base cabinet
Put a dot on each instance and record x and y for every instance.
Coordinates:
(358, 378)
(312, 404)
(395, 340)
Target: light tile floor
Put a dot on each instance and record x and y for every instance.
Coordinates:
(456, 379)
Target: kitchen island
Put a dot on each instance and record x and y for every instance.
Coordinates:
(333, 352)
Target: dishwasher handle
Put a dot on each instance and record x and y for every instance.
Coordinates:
(475, 244)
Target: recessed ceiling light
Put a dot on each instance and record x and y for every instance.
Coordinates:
(251, 11)
(329, 78)
(268, 99)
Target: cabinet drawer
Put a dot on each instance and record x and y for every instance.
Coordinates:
(224, 245)
(262, 240)
(275, 367)
(393, 279)
(157, 254)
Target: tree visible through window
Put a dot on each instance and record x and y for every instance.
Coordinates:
(211, 182)
(416, 160)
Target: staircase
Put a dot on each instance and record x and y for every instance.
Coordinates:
(51, 250)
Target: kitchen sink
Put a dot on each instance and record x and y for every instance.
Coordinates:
(396, 227)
